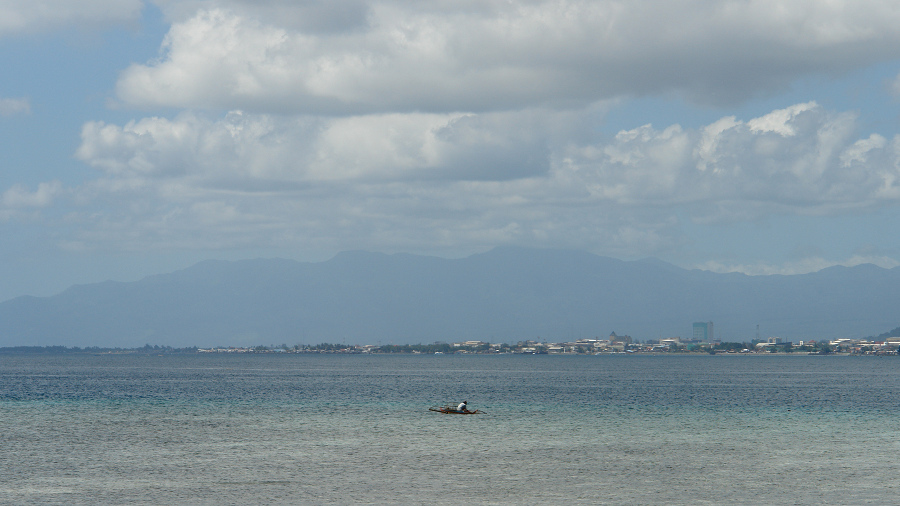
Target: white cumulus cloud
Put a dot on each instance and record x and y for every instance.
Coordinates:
(386, 56)
(418, 181)
(269, 149)
(803, 157)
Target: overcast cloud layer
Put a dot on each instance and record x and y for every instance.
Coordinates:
(459, 126)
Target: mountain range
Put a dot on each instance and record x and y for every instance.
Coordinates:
(504, 295)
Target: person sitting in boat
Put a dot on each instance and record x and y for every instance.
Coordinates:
(463, 406)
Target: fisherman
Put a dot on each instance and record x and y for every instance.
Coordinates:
(463, 406)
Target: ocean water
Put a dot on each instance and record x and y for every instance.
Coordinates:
(332, 429)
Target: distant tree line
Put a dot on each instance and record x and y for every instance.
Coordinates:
(418, 348)
(45, 349)
(819, 347)
(57, 350)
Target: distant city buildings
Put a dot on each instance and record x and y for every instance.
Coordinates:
(671, 342)
(613, 338)
(773, 343)
(595, 346)
(701, 340)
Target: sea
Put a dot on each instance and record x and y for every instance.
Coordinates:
(226, 429)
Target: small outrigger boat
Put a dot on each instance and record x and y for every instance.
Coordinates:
(449, 410)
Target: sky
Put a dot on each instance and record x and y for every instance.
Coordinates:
(141, 136)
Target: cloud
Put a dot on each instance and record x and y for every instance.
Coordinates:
(310, 16)
(393, 181)
(428, 181)
(42, 15)
(804, 266)
(396, 56)
(13, 106)
(18, 197)
(248, 150)
(801, 159)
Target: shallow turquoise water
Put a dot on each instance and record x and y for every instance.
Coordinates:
(313, 429)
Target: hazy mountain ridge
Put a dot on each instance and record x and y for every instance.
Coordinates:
(506, 294)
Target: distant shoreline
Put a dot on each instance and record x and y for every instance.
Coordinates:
(160, 351)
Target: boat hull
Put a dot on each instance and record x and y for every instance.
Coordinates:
(451, 411)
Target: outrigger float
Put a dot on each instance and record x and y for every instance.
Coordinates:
(449, 410)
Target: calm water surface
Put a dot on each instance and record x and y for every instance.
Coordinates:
(329, 429)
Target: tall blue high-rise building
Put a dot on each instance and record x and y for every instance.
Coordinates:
(703, 331)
